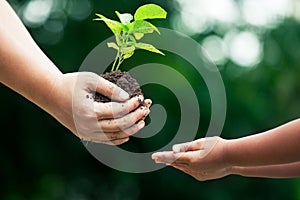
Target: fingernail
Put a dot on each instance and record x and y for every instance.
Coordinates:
(124, 95)
(148, 101)
(154, 157)
(141, 124)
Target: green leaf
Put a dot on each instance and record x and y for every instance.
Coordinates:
(148, 47)
(150, 11)
(128, 55)
(128, 49)
(141, 26)
(132, 40)
(119, 40)
(115, 27)
(138, 36)
(113, 45)
(124, 18)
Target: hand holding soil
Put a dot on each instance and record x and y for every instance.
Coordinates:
(110, 122)
(67, 97)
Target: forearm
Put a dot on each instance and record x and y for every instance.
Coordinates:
(23, 66)
(289, 170)
(276, 146)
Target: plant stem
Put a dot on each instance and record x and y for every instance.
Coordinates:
(117, 58)
(120, 62)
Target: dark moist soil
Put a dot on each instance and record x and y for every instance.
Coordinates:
(124, 81)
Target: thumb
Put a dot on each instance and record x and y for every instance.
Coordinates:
(188, 146)
(111, 90)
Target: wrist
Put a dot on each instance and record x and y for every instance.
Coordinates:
(60, 100)
(232, 152)
(227, 156)
(233, 168)
(60, 89)
(236, 170)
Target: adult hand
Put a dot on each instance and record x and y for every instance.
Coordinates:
(109, 123)
(204, 159)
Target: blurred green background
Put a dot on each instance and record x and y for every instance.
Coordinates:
(254, 43)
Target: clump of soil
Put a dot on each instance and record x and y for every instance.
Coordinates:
(124, 81)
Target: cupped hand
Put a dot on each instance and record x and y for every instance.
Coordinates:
(204, 159)
(109, 123)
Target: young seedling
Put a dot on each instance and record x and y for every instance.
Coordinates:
(131, 29)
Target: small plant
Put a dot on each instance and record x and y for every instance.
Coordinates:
(128, 33)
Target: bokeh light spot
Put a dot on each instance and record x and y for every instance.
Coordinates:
(245, 48)
(36, 12)
(215, 48)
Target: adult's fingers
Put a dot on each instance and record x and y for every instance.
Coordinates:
(188, 146)
(110, 90)
(112, 110)
(126, 133)
(115, 125)
(116, 142)
(148, 102)
(113, 138)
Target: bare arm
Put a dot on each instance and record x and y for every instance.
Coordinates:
(276, 146)
(24, 67)
(289, 170)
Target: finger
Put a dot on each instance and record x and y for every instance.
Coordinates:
(148, 103)
(109, 142)
(181, 167)
(111, 90)
(169, 157)
(106, 137)
(116, 109)
(116, 142)
(183, 147)
(115, 125)
(188, 146)
(126, 133)
(148, 106)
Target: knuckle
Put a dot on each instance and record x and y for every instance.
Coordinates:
(110, 87)
(90, 78)
(142, 112)
(104, 110)
(91, 75)
(122, 123)
(132, 104)
(192, 161)
(118, 109)
(107, 124)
